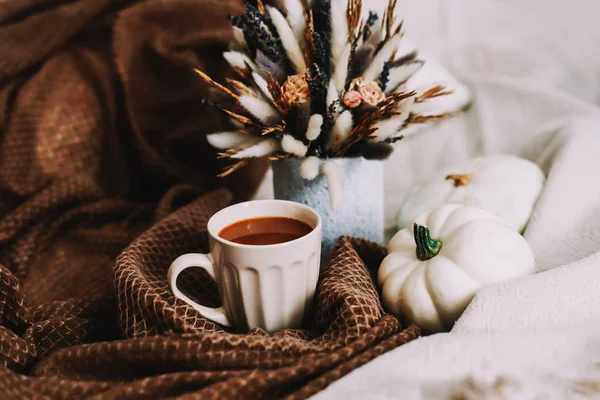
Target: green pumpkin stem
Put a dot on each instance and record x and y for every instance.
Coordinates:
(427, 247)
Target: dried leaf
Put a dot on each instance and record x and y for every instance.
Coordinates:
(279, 101)
(365, 126)
(243, 119)
(435, 91)
(389, 18)
(404, 59)
(422, 119)
(214, 84)
(233, 168)
(353, 14)
(273, 129)
(260, 6)
(277, 157)
(310, 49)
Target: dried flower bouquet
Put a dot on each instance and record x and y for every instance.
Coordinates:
(318, 82)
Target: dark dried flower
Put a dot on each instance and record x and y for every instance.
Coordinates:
(372, 150)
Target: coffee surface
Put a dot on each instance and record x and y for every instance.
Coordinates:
(265, 230)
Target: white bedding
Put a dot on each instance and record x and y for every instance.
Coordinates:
(534, 69)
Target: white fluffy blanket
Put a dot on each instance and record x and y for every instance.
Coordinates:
(534, 69)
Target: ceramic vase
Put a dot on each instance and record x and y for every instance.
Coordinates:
(360, 212)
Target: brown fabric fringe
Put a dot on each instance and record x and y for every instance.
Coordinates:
(105, 178)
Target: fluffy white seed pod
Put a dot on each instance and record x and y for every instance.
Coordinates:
(309, 169)
(401, 74)
(238, 60)
(439, 105)
(390, 127)
(376, 66)
(293, 146)
(229, 140)
(259, 108)
(341, 68)
(288, 40)
(339, 28)
(314, 126)
(295, 16)
(332, 95)
(238, 37)
(341, 129)
(262, 85)
(331, 171)
(260, 149)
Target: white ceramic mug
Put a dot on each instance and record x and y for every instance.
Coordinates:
(261, 286)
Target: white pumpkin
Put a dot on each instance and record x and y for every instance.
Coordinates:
(435, 267)
(506, 185)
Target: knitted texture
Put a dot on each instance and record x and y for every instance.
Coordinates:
(105, 178)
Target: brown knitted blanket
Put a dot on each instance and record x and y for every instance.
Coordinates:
(105, 178)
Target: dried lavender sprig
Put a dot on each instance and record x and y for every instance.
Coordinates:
(317, 84)
(249, 34)
(236, 21)
(284, 61)
(350, 73)
(328, 124)
(384, 76)
(254, 21)
(322, 23)
(393, 139)
(373, 17)
(321, 51)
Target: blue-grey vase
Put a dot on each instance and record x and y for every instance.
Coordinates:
(360, 213)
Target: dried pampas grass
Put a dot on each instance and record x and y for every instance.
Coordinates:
(319, 82)
(293, 146)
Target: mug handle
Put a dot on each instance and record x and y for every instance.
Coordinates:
(195, 260)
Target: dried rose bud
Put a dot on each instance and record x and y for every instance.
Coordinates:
(352, 99)
(295, 89)
(370, 92)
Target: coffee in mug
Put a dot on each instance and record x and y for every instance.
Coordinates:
(266, 230)
(265, 257)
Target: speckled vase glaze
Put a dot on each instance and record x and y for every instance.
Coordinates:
(360, 213)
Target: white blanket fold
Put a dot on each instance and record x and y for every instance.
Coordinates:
(535, 96)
